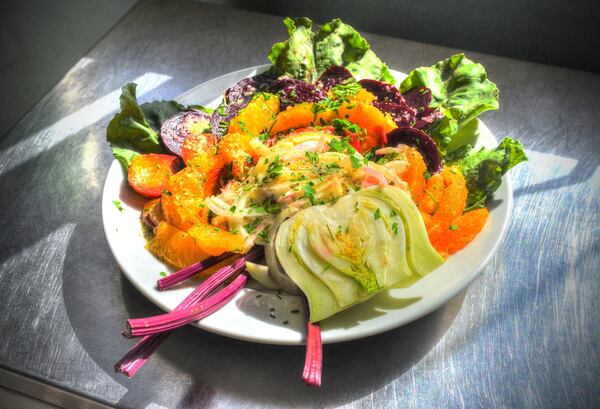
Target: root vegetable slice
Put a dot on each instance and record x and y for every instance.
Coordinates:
(149, 174)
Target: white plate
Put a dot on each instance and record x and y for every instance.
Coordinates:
(247, 317)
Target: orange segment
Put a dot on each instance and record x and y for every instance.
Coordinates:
(414, 174)
(461, 232)
(175, 247)
(148, 174)
(257, 116)
(432, 194)
(301, 116)
(451, 205)
(376, 123)
(215, 241)
(183, 202)
(236, 149)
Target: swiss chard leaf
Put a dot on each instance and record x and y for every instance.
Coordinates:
(294, 57)
(337, 43)
(460, 88)
(483, 169)
(136, 128)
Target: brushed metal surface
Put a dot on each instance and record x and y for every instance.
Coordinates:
(525, 334)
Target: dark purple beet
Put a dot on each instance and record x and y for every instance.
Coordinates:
(408, 135)
(418, 98)
(402, 114)
(294, 91)
(242, 92)
(383, 91)
(427, 117)
(177, 128)
(333, 76)
(220, 118)
(236, 98)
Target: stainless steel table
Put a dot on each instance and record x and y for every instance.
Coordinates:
(526, 333)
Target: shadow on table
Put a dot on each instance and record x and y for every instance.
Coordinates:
(271, 375)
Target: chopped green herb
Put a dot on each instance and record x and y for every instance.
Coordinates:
(250, 227)
(309, 192)
(163, 274)
(274, 169)
(232, 209)
(313, 157)
(330, 233)
(395, 228)
(393, 213)
(356, 163)
(118, 205)
(341, 145)
(427, 174)
(453, 227)
(377, 214)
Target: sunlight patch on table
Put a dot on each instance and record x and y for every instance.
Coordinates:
(56, 133)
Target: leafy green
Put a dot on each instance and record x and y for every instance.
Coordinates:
(305, 56)
(136, 128)
(295, 57)
(483, 169)
(460, 88)
(337, 43)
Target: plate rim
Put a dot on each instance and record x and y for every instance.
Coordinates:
(345, 336)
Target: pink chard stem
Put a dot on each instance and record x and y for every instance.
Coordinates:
(313, 362)
(145, 347)
(166, 322)
(189, 272)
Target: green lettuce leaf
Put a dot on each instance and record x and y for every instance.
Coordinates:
(136, 128)
(305, 56)
(460, 88)
(483, 169)
(294, 57)
(337, 43)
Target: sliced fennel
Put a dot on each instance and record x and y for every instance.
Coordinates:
(343, 253)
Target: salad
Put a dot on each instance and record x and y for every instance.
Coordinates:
(320, 177)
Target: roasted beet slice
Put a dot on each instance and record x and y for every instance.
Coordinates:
(401, 113)
(294, 91)
(242, 92)
(383, 91)
(418, 98)
(181, 125)
(408, 135)
(236, 98)
(427, 117)
(333, 76)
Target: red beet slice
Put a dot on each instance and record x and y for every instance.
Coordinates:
(401, 113)
(383, 91)
(418, 98)
(177, 128)
(242, 92)
(333, 76)
(293, 91)
(408, 135)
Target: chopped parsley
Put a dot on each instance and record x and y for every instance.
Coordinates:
(313, 157)
(343, 125)
(341, 145)
(395, 228)
(232, 209)
(163, 274)
(274, 169)
(118, 205)
(377, 214)
(356, 163)
(309, 192)
(393, 213)
(453, 227)
(250, 227)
